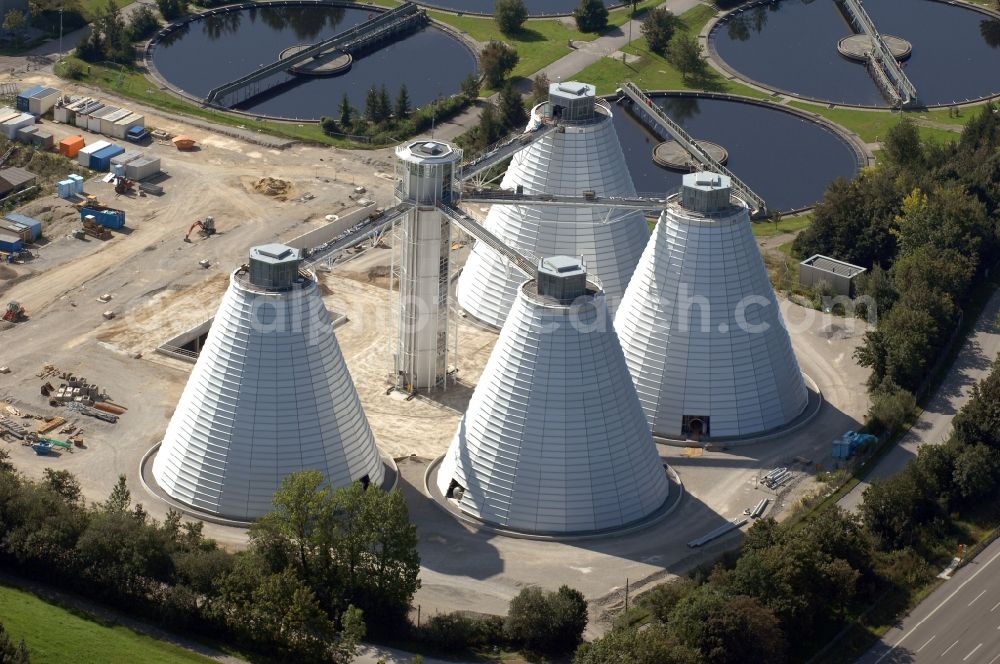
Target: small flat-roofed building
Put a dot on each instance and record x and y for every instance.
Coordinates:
(838, 274)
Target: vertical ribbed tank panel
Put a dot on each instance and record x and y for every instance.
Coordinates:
(554, 439)
(585, 157)
(702, 332)
(270, 395)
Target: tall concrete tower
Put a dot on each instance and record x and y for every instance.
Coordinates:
(700, 324)
(554, 440)
(427, 172)
(584, 155)
(270, 395)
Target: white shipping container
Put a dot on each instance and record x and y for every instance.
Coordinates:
(63, 114)
(43, 100)
(108, 121)
(7, 113)
(11, 126)
(121, 127)
(140, 169)
(126, 157)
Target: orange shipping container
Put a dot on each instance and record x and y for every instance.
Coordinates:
(70, 147)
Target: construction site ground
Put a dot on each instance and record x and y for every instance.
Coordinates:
(159, 290)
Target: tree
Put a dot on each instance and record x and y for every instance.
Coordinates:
(63, 483)
(895, 509)
(662, 599)
(652, 645)
(172, 9)
(591, 16)
(510, 15)
(346, 112)
(384, 104)
(15, 21)
(684, 53)
(728, 630)
(658, 27)
(5, 465)
(328, 125)
(142, 23)
(902, 144)
(10, 653)
(470, 87)
(490, 128)
(979, 419)
(539, 89)
(551, 622)
(402, 103)
(497, 60)
(120, 497)
(512, 112)
(892, 407)
(372, 110)
(977, 471)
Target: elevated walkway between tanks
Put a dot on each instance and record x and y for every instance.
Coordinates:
(505, 148)
(645, 107)
(526, 264)
(882, 64)
(385, 26)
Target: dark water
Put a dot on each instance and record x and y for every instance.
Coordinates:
(535, 7)
(792, 45)
(217, 49)
(786, 159)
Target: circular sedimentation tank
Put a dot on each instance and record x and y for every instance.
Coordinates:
(534, 7)
(214, 48)
(787, 157)
(791, 46)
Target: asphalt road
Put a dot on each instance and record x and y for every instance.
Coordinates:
(972, 365)
(959, 622)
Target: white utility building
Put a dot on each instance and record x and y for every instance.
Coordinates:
(584, 155)
(554, 440)
(270, 395)
(700, 324)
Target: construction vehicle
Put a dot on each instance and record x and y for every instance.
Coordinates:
(15, 313)
(94, 229)
(123, 185)
(206, 228)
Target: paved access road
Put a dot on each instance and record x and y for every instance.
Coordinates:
(959, 622)
(974, 362)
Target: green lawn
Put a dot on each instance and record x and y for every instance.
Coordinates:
(653, 72)
(91, 8)
(872, 126)
(55, 635)
(786, 225)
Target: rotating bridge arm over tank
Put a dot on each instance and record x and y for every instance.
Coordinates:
(881, 62)
(707, 162)
(386, 24)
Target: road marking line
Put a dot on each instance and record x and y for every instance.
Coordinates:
(925, 644)
(994, 609)
(973, 652)
(949, 648)
(936, 608)
(977, 597)
(994, 659)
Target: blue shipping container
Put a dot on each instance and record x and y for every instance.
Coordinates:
(34, 224)
(101, 160)
(22, 97)
(77, 181)
(113, 219)
(10, 243)
(66, 189)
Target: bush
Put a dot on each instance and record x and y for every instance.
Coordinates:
(72, 69)
(591, 16)
(172, 9)
(457, 632)
(510, 15)
(892, 407)
(328, 125)
(550, 622)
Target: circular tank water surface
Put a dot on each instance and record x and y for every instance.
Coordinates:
(791, 45)
(535, 7)
(213, 50)
(785, 158)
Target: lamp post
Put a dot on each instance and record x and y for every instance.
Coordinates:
(60, 34)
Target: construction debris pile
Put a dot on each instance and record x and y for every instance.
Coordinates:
(272, 187)
(79, 395)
